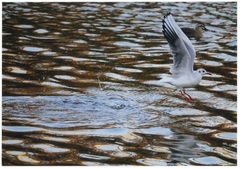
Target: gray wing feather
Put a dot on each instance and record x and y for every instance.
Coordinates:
(181, 47)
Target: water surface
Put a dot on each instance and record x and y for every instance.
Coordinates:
(80, 85)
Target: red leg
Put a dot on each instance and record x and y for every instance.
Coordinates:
(187, 96)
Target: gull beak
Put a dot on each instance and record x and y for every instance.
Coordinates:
(208, 73)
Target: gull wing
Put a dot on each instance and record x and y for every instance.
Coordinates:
(181, 47)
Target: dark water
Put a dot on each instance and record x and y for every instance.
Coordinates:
(80, 85)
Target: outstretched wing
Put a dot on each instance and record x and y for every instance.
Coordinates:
(181, 47)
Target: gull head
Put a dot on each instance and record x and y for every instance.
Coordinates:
(202, 72)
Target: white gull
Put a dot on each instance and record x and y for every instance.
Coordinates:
(183, 75)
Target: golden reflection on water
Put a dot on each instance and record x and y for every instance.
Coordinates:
(80, 85)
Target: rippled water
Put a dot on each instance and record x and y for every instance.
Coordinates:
(80, 85)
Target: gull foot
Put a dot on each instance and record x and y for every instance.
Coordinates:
(186, 96)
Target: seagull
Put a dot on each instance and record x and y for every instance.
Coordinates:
(183, 75)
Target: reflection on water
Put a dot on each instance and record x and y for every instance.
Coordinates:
(80, 85)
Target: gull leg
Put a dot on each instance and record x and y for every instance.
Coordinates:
(187, 96)
(190, 98)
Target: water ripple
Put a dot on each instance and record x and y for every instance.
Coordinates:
(80, 85)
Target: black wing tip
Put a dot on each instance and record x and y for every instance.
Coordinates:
(163, 22)
(169, 13)
(168, 32)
